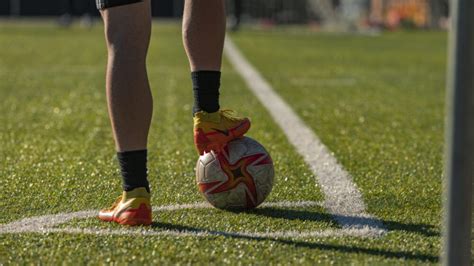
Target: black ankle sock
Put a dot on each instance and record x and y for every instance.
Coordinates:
(133, 169)
(206, 90)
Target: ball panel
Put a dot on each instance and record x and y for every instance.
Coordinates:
(199, 171)
(243, 147)
(229, 199)
(264, 182)
(207, 158)
(209, 169)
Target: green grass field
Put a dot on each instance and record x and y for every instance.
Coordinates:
(376, 102)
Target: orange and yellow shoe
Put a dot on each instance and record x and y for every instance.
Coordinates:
(132, 208)
(212, 131)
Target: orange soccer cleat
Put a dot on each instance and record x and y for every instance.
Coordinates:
(212, 131)
(132, 208)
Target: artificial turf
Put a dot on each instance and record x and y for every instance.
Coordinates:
(377, 102)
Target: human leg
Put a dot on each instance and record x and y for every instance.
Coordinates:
(203, 38)
(130, 104)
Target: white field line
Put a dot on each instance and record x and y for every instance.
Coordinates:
(48, 224)
(342, 197)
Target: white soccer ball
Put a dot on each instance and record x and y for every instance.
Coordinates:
(239, 177)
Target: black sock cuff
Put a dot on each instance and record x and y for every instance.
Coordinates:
(133, 167)
(132, 154)
(208, 79)
(206, 86)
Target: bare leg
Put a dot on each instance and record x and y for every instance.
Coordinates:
(203, 33)
(130, 103)
(203, 38)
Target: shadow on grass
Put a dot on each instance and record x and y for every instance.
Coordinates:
(304, 215)
(291, 214)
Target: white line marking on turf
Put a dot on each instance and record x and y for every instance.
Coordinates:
(342, 197)
(48, 224)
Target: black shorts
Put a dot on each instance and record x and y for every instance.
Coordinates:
(103, 4)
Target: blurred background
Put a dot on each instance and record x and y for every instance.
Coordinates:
(336, 15)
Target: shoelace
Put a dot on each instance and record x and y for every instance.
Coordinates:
(230, 114)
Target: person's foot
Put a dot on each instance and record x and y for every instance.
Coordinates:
(132, 208)
(212, 131)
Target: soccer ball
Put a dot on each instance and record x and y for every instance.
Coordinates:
(239, 177)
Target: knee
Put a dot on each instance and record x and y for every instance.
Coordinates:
(127, 32)
(125, 43)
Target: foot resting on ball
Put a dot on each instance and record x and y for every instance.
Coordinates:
(212, 131)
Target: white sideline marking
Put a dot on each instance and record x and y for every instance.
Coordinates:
(342, 197)
(48, 224)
